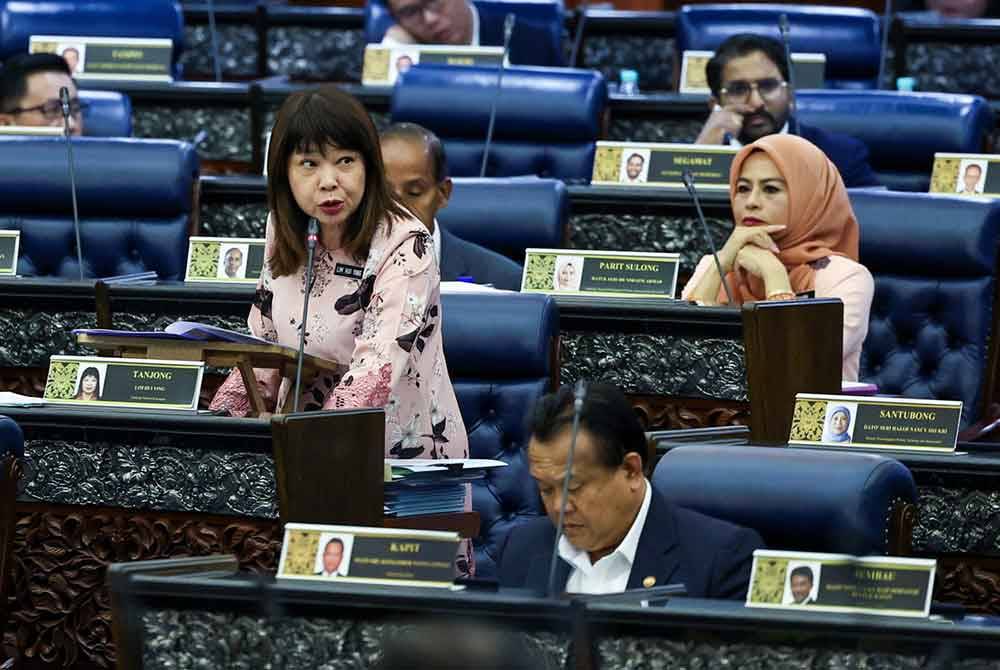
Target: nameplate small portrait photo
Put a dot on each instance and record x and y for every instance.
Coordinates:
(383, 64)
(10, 244)
(117, 58)
(607, 274)
(847, 422)
(238, 260)
(124, 382)
(966, 175)
(635, 164)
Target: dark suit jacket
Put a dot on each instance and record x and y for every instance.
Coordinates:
(712, 558)
(848, 154)
(465, 259)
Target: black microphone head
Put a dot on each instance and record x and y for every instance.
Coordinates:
(64, 99)
(688, 180)
(313, 226)
(783, 24)
(580, 390)
(508, 26)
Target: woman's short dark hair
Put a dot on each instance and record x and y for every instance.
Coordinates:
(741, 45)
(607, 416)
(313, 120)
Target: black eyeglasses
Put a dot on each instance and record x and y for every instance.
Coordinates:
(416, 11)
(739, 91)
(52, 109)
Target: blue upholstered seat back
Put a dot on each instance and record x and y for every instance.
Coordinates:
(108, 114)
(499, 350)
(849, 37)
(797, 499)
(135, 201)
(537, 36)
(902, 130)
(547, 119)
(934, 260)
(11, 437)
(508, 215)
(20, 20)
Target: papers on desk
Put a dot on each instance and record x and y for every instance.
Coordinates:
(16, 399)
(426, 486)
(180, 330)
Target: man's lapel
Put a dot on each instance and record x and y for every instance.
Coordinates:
(538, 573)
(658, 553)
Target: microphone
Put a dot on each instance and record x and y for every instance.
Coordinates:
(581, 13)
(689, 185)
(64, 100)
(793, 124)
(508, 30)
(884, 56)
(579, 394)
(214, 35)
(311, 236)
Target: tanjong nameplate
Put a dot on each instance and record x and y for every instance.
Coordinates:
(966, 174)
(225, 259)
(640, 164)
(10, 242)
(810, 71)
(124, 382)
(875, 423)
(368, 555)
(118, 58)
(884, 585)
(616, 274)
(383, 63)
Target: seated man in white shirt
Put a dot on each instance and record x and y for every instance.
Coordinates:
(454, 22)
(618, 532)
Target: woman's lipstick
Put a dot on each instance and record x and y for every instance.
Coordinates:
(331, 207)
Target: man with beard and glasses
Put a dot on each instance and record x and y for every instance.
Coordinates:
(748, 76)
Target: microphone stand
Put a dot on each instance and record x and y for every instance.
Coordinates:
(886, 27)
(688, 179)
(581, 13)
(793, 122)
(508, 30)
(311, 236)
(214, 35)
(64, 102)
(579, 394)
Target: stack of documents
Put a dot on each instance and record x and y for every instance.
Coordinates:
(426, 486)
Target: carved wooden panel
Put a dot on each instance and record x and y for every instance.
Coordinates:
(663, 413)
(58, 600)
(972, 581)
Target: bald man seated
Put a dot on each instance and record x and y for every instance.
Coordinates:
(416, 168)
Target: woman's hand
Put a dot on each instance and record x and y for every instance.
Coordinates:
(743, 236)
(767, 266)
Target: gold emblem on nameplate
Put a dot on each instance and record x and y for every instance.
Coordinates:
(649, 582)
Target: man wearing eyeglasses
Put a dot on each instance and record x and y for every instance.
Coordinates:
(29, 92)
(453, 22)
(750, 99)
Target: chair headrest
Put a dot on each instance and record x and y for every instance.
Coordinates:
(802, 499)
(537, 37)
(114, 177)
(902, 130)
(548, 105)
(108, 114)
(99, 18)
(849, 37)
(926, 235)
(499, 335)
(508, 215)
(11, 437)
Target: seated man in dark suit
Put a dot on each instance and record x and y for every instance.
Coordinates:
(619, 533)
(416, 168)
(748, 76)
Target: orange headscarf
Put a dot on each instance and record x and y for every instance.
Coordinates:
(821, 222)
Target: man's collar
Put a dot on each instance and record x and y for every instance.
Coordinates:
(475, 24)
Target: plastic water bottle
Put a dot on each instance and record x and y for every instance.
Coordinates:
(628, 82)
(906, 83)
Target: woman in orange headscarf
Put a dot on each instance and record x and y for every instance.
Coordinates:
(795, 233)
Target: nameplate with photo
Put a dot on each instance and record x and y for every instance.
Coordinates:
(662, 165)
(612, 274)
(117, 58)
(966, 175)
(368, 555)
(853, 422)
(124, 382)
(232, 260)
(809, 70)
(383, 64)
(10, 244)
(885, 585)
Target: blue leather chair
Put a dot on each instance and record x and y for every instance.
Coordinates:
(537, 37)
(797, 499)
(902, 130)
(11, 438)
(849, 37)
(136, 201)
(20, 20)
(108, 114)
(931, 331)
(500, 349)
(547, 119)
(509, 215)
